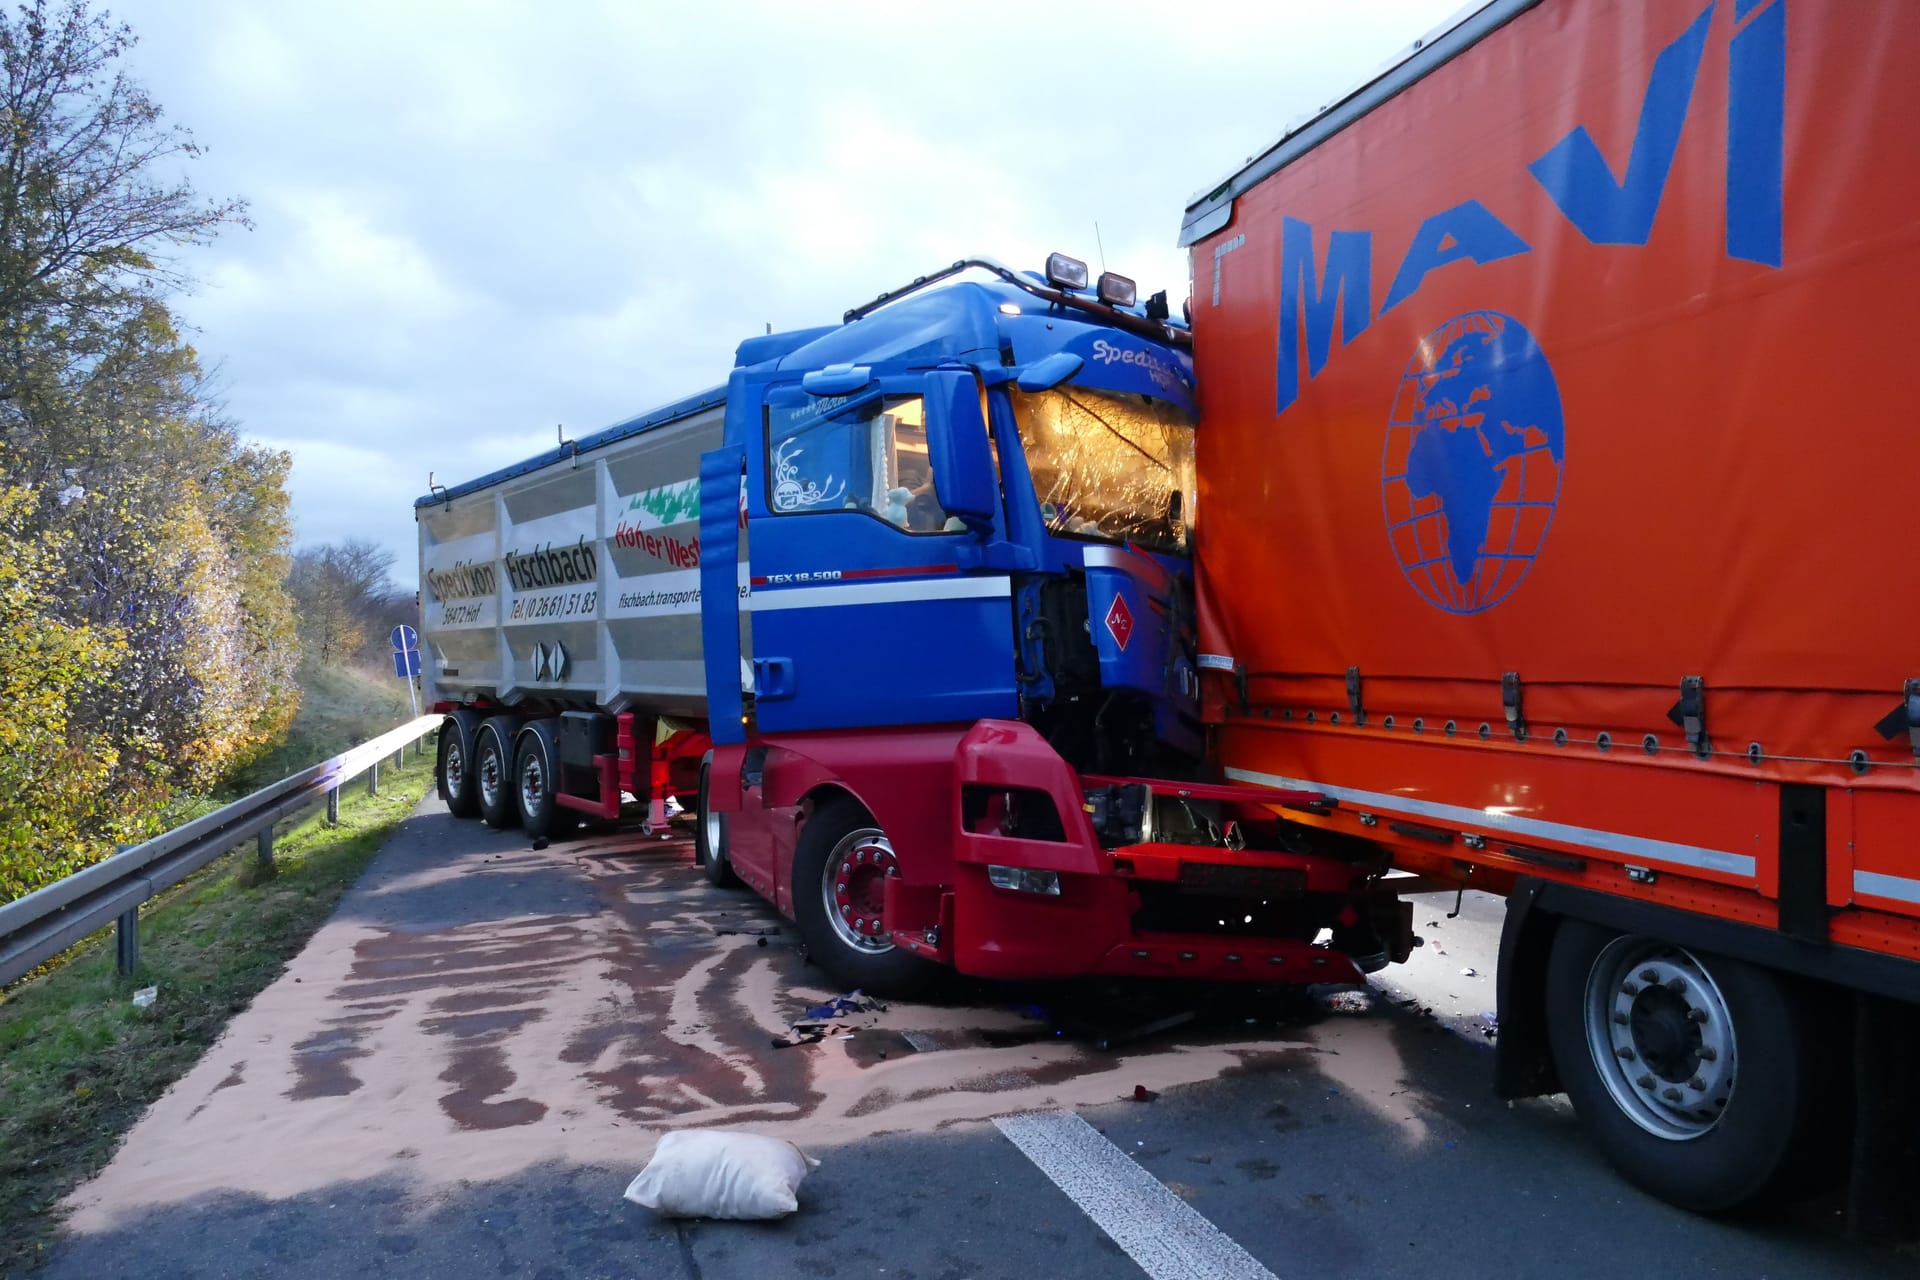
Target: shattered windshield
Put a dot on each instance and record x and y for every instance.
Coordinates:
(1106, 465)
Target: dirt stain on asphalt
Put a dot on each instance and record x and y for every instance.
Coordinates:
(480, 1075)
(321, 1065)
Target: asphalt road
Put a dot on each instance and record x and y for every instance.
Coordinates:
(463, 1070)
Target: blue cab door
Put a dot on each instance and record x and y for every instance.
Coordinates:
(870, 604)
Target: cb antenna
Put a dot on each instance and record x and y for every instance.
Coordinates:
(1101, 247)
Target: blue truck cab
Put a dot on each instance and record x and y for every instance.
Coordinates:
(999, 472)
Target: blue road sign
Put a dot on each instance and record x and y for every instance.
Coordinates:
(405, 640)
(406, 663)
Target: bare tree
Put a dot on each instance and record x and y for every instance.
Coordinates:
(90, 198)
(345, 600)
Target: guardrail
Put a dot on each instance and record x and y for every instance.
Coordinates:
(47, 921)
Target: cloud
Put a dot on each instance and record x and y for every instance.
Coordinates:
(477, 221)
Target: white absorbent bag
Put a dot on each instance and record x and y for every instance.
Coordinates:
(713, 1173)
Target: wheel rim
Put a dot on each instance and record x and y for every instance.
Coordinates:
(533, 783)
(1661, 1036)
(456, 767)
(490, 779)
(710, 823)
(853, 887)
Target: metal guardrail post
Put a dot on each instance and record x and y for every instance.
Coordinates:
(419, 748)
(400, 759)
(263, 845)
(126, 934)
(373, 778)
(333, 806)
(126, 942)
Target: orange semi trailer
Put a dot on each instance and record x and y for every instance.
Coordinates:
(1557, 515)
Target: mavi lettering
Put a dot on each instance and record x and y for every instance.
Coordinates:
(1577, 178)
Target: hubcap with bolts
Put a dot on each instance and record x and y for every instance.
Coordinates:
(853, 889)
(533, 783)
(1661, 1036)
(490, 777)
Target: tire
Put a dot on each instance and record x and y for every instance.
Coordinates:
(535, 775)
(710, 836)
(1728, 1099)
(493, 772)
(841, 848)
(453, 771)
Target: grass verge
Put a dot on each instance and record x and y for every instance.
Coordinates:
(79, 1062)
(339, 707)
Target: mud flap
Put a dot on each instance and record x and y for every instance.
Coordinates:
(1523, 1060)
(1884, 1183)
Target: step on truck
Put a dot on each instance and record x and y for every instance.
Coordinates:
(1557, 509)
(904, 614)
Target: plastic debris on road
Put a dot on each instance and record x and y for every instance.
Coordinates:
(1469, 972)
(717, 1173)
(145, 996)
(844, 1006)
(1342, 999)
(797, 1039)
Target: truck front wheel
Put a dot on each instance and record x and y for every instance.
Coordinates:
(710, 835)
(1699, 1077)
(839, 874)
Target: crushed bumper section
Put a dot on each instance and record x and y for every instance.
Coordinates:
(1211, 894)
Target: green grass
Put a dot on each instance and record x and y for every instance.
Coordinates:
(340, 707)
(79, 1063)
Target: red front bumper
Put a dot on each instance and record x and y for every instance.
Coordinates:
(1092, 925)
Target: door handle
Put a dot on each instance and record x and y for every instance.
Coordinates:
(773, 679)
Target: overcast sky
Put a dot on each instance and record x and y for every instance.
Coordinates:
(476, 221)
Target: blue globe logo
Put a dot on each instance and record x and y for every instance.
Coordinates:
(1471, 472)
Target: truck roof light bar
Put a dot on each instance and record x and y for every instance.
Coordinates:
(1133, 324)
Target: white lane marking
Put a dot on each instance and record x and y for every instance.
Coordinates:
(1158, 1230)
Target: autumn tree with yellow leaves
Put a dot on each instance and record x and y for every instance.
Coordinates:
(146, 638)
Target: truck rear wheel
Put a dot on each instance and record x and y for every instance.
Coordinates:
(1699, 1077)
(839, 874)
(453, 772)
(535, 776)
(710, 835)
(493, 772)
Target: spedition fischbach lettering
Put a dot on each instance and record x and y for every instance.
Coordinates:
(552, 566)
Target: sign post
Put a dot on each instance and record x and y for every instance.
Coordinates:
(406, 661)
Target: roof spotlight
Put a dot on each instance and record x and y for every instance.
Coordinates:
(1068, 273)
(1116, 290)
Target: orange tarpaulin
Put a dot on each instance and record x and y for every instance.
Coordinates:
(1577, 367)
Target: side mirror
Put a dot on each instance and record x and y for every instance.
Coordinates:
(1049, 372)
(958, 450)
(836, 380)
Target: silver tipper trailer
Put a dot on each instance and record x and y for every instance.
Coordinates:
(574, 577)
